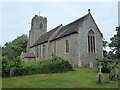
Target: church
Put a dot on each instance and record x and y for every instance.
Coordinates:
(79, 41)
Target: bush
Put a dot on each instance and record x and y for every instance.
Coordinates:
(106, 63)
(16, 62)
(5, 66)
(106, 68)
(54, 65)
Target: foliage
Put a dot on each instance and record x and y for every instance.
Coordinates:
(105, 44)
(106, 63)
(14, 48)
(7, 64)
(16, 62)
(11, 52)
(54, 65)
(115, 43)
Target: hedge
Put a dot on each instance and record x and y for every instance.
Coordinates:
(53, 65)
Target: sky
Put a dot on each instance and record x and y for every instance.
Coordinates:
(119, 13)
(15, 17)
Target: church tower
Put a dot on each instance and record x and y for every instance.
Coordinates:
(38, 27)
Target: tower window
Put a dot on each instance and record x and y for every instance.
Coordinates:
(41, 25)
(67, 46)
(91, 41)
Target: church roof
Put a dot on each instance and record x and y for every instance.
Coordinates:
(61, 32)
(70, 28)
(44, 37)
(28, 55)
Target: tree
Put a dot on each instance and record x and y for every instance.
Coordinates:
(13, 49)
(105, 44)
(115, 43)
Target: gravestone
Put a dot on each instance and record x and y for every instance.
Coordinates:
(91, 64)
(99, 75)
(100, 68)
(12, 71)
(114, 72)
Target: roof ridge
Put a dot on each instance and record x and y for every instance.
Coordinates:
(55, 28)
(77, 19)
(50, 31)
(60, 31)
(54, 34)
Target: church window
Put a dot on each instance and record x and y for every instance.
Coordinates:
(41, 25)
(43, 51)
(67, 46)
(91, 41)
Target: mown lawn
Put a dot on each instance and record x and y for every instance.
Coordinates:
(80, 78)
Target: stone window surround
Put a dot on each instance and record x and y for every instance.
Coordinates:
(41, 25)
(67, 46)
(91, 41)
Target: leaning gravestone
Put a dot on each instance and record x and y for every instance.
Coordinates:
(114, 72)
(12, 71)
(99, 75)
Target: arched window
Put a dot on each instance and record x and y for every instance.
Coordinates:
(91, 41)
(67, 46)
(41, 25)
(43, 51)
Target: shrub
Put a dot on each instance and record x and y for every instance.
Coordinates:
(16, 62)
(106, 63)
(54, 65)
(106, 68)
(27, 68)
(5, 66)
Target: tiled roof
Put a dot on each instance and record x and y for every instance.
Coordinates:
(44, 37)
(61, 31)
(70, 28)
(28, 55)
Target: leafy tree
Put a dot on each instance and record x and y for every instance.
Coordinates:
(14, 48)
(105, 44)
(115, 43)
(11, 52)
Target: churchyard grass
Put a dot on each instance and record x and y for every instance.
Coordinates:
(80, 78)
